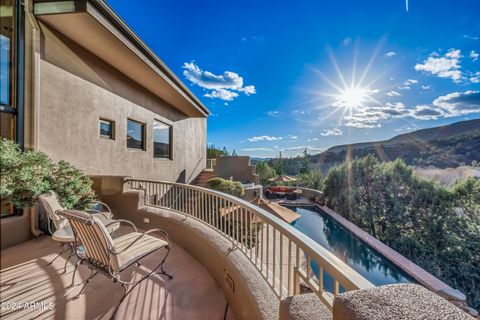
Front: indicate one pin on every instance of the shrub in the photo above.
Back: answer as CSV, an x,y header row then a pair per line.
x,y
233,188
72,187
436,227
26,175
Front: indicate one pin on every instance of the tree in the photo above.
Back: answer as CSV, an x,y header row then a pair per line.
x,y
233,188
313,179
280,166
264,171
436,227
26,175
304,167
225,151
213,152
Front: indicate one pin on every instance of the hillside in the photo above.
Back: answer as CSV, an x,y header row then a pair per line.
x,y
449,146
436,133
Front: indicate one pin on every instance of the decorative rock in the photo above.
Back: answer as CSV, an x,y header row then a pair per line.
x,y
401,301
304,307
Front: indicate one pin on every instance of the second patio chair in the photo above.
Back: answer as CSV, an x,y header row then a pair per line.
x,y
110,257
52,206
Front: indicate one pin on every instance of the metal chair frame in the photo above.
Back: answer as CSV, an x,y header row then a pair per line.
x,y
115,274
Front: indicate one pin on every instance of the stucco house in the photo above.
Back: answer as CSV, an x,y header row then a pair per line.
x,y
79,85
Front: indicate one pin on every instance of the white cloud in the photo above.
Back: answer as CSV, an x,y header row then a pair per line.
x,y
273,113
424,87
404,88
424,112
474,55
222,86
300,112
293,137
313,139
457,103
466,36
409,82
475,78
391,54
222,94
451,105
331,132
393,94
264,138
248,90
446,66
257,149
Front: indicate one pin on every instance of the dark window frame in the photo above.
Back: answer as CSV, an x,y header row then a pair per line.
x,y
112,132
17,104
144,135
170,141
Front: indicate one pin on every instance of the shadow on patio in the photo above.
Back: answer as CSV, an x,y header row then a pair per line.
x,y
27,277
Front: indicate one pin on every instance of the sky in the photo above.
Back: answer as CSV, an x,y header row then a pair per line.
x,y
285,76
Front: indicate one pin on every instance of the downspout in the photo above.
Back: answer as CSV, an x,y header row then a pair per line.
x,y
34,87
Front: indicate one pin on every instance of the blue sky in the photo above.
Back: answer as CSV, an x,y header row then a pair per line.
x,y
271,71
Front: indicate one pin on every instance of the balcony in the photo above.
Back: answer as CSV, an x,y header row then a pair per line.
x,y
27,276
229,259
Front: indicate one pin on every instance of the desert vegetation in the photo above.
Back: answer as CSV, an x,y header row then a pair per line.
x,y
435,226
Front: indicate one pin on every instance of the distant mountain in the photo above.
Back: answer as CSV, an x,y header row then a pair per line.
x,y
436,133
447,146
254,160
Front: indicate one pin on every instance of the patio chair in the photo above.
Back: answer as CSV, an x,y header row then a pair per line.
x,y
110,257
63,233
52,205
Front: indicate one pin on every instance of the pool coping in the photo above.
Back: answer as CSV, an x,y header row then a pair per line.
x,y
410,268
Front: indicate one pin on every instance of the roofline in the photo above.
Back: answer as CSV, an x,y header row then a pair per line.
x,y
110,14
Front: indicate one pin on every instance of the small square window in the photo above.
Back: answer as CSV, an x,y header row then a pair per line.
x,y
135,135
107,129
162,140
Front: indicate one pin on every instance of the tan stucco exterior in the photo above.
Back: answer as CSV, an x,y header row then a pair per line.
x,y
77,89
70,85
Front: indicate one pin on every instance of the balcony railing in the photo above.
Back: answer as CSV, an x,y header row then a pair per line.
x,y
282,254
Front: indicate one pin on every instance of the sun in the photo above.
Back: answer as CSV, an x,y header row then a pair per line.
x,y
352,97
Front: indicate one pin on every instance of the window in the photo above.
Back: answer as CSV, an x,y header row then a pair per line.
x,y
162,134
11,81
107,129
135,135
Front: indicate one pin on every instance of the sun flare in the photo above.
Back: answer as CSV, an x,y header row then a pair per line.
x,y
353,97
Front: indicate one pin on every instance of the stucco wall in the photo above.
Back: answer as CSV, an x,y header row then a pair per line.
x,y
77,88
236,167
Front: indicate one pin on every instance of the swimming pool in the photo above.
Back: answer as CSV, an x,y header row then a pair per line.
x,y
342,243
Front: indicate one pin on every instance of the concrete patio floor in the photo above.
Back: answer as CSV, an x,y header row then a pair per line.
x,y
26,276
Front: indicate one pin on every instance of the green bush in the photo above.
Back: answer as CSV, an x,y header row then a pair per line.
x,y
311,179
72,187
436,227
233,188
265,172
25,175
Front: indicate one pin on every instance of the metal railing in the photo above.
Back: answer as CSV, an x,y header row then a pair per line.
x,y
284,256
211,163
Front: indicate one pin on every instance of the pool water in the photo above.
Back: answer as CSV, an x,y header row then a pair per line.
x,y
347,247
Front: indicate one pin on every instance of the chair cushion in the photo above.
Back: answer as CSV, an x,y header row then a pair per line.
x,y
399,301
145,245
